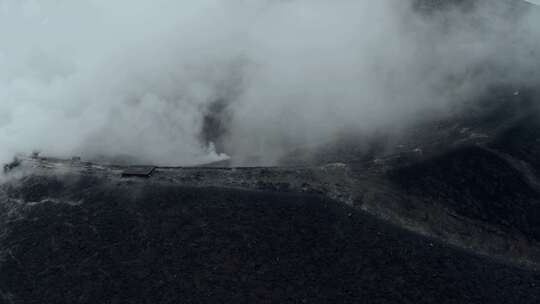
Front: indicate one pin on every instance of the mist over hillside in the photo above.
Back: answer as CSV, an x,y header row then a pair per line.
x,y
269,151
167,82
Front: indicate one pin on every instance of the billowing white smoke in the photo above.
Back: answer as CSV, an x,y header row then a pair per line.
x,y
111,77
136,78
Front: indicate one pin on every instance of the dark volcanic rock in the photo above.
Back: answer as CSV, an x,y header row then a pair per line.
x,y
171,244
479,184
447,212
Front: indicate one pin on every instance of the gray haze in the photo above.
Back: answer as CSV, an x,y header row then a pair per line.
x,y
101,78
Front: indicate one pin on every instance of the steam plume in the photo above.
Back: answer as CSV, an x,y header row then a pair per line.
x,y
140,79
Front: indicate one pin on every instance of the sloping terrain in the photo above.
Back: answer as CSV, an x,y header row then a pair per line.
x,y
447,211
88,239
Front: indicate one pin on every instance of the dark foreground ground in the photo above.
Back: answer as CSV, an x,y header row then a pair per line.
x,y
172,244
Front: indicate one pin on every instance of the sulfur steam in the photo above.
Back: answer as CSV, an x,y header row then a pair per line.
x,y
191,82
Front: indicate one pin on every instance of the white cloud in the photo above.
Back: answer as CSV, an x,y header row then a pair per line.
x,y
99,77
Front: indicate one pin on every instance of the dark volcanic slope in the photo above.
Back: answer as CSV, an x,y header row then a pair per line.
x,y
479,184
169,244
364,221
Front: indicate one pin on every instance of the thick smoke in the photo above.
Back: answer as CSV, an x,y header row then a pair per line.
x,y
139,79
